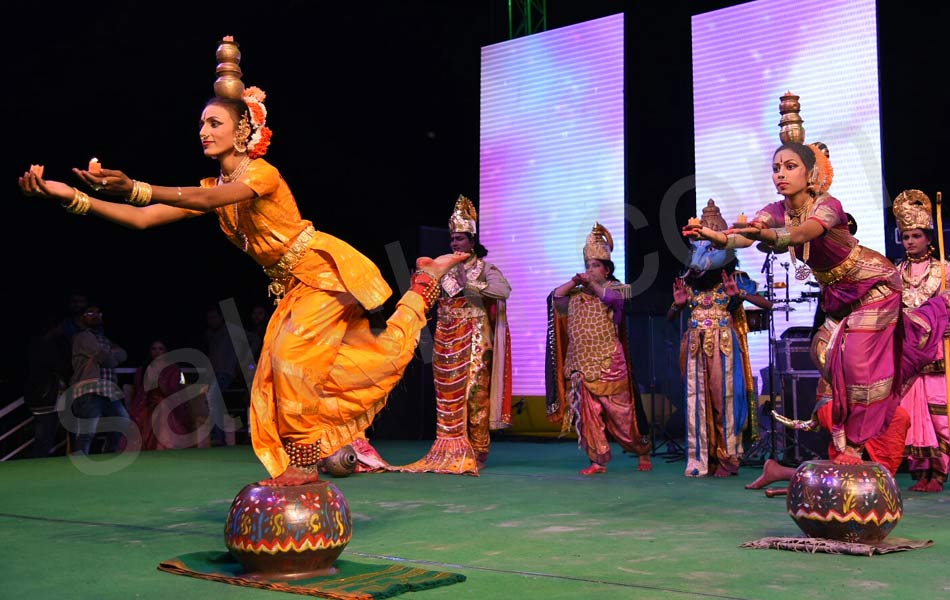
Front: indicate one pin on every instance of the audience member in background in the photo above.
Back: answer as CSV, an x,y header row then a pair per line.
x,y
260,316
590,383
49,371
95,389
76,304
219,347
162,414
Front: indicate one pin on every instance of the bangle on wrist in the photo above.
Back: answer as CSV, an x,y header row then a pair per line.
x,y
783,238
141,193
80,203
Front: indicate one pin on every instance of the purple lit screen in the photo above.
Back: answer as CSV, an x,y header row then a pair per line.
x,y
551,165
746,57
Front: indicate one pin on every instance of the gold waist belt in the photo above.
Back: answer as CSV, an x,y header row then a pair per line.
x,y
467,312
835,274
280,272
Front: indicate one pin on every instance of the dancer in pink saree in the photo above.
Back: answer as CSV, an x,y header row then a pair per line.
x,y
867,348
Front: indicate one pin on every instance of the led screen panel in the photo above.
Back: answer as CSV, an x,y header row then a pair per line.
x,y
551,165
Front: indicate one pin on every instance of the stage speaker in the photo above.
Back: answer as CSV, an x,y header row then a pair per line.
x,y
793,354
798,401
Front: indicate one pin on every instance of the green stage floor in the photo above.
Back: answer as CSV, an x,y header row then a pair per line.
x,y
528,527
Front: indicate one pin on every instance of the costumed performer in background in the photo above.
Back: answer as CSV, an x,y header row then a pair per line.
x,y
589,379
925,397
471,362
721,399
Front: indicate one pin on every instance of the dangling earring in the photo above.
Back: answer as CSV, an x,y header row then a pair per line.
x,y
241,134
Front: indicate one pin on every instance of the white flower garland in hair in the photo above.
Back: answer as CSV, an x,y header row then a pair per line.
x,y
260,138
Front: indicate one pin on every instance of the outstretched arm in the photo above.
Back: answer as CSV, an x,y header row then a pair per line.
x,y
782,237
721,239
133,217
117,183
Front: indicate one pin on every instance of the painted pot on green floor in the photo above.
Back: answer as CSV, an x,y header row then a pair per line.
x,y
289,532
850,503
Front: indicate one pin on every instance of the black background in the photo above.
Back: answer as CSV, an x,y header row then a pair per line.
x,y
375,112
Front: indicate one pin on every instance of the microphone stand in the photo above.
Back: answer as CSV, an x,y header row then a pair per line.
x,y
787,298
765,447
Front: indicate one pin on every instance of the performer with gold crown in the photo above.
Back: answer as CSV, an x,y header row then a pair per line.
x,y
589,379
856,348
471,359
323,374
925,398
714,354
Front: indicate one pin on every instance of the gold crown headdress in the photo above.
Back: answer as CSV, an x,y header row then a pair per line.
x,y
913,210
712,217
791,130
464,219
599,243
253,137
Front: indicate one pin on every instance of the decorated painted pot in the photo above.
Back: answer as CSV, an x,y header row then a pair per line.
x,y
849,503
290,532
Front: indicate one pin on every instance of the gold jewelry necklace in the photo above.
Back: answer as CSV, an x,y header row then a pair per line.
x,y
918,259
793,218
907,276
236,173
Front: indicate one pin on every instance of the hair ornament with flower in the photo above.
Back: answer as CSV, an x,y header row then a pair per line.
x,y
259,141
823,173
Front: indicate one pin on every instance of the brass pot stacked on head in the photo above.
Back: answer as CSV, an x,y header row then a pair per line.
x,y
791,121
228,84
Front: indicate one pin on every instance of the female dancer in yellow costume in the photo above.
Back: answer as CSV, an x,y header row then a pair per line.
x,y
323,374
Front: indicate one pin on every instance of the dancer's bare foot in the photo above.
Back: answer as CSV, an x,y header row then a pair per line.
x,y
646,463
292,476
850,456
772,471
440,265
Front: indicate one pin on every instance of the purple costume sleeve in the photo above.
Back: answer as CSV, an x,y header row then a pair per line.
x,y
614,301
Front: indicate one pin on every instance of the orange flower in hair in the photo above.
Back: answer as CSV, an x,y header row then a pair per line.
x,y
260,138
822,175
